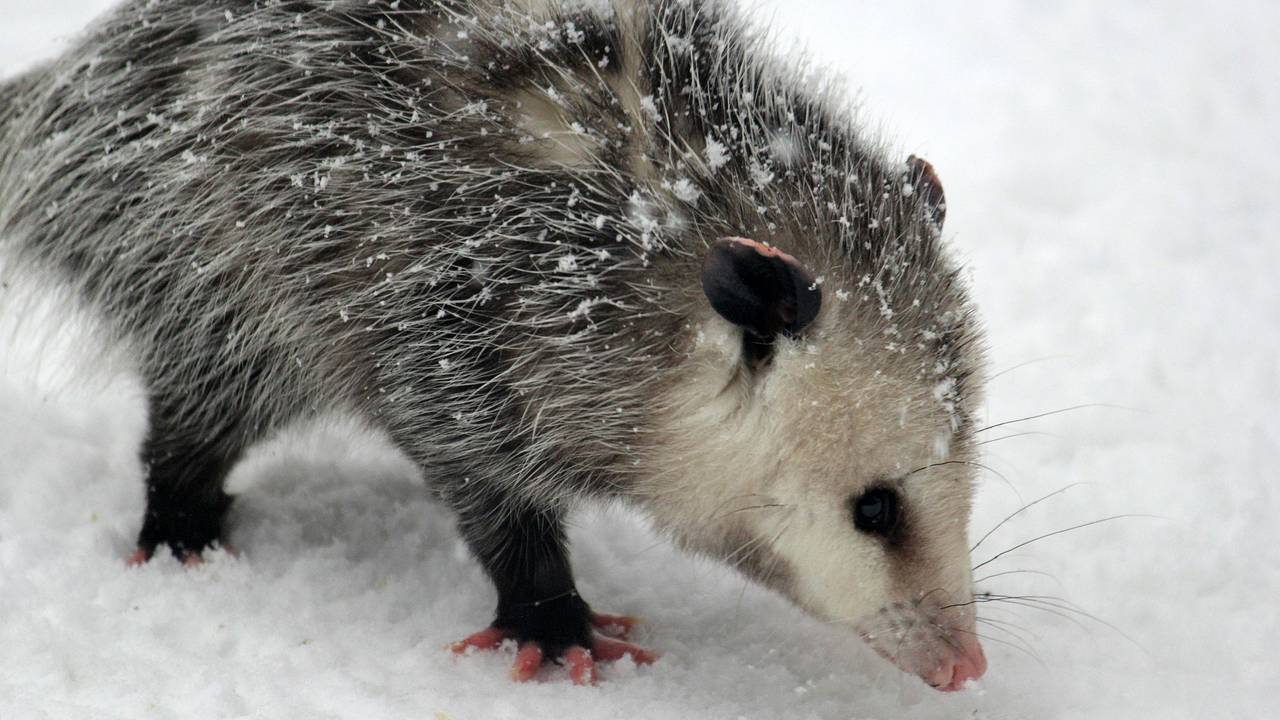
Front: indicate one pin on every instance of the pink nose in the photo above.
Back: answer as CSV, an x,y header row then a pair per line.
x,y
970,664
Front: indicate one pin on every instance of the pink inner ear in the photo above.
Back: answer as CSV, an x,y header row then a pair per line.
x,y
763,249
927,183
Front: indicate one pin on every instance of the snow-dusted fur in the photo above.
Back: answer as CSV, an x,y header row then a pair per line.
x,y
480,225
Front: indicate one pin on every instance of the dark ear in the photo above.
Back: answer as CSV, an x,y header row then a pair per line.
x,y
925,180
763,290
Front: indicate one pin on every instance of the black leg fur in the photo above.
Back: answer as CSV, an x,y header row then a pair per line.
x,y
188,517
525,554
186,505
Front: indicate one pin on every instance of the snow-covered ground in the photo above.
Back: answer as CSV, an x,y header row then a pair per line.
x,y
1112,178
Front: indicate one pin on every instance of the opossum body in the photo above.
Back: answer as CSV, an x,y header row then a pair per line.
x,y
558,251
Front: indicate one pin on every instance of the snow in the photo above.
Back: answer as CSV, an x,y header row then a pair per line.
x,y
761,175
1111,181
717,154
685,190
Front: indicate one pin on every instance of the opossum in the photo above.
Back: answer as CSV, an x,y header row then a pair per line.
x,y
558,251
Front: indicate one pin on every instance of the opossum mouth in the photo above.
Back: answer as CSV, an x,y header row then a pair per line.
x,y
945,659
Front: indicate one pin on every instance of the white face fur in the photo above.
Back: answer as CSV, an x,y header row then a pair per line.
x,y
762,469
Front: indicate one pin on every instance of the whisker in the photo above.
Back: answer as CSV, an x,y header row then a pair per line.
x,y
770,545
730,499
656,544
944,634
1051,412
1058,603
663,541
1035,606
767,571
967,463
920,600
1010,437
749,545
751,507
1023,544
897,651
989,608
1025,363
992,576
1009,627
1021,510
1020,648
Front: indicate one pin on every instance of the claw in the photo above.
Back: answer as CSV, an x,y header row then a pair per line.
x,y
615,626
582,669
486,639
610,649
528,660
189,559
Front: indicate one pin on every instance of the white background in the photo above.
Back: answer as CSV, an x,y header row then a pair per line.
x,y
1112,180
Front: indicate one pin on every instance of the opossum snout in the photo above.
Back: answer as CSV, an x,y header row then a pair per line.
x,y
938,644
969,663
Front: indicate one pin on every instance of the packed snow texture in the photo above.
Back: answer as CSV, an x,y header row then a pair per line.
x,y
1112,185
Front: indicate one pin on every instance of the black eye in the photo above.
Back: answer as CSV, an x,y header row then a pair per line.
x,y
876,511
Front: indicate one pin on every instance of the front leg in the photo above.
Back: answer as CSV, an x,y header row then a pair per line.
x,y
524,551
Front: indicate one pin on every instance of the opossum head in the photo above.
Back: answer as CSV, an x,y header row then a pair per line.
x,y
818,439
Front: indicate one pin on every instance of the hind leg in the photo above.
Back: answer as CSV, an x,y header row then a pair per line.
x,y
186,503
525,552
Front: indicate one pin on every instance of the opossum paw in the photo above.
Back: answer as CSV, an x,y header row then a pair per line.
x,y
189,558
580,661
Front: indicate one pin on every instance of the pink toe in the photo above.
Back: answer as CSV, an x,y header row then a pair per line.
x,y
486,639
528,660
609,649
582,669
